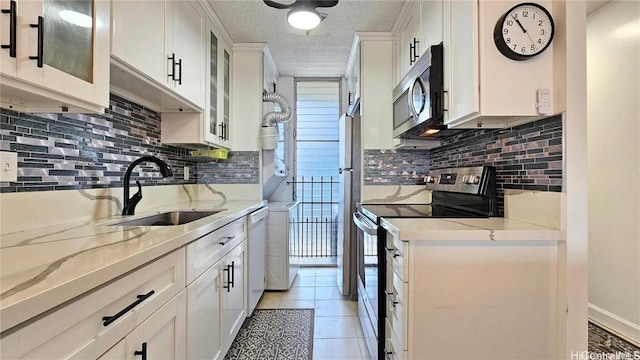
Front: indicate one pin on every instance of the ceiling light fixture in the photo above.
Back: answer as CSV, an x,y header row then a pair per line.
x,y
305,19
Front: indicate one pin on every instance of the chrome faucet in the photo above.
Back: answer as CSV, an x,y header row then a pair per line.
x,y
130,203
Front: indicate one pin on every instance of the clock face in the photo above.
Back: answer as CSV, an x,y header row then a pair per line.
x,y
524,31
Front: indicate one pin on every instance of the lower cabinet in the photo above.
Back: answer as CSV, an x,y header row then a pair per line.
x,y
471,299
161,336
234,294
203,314
216,306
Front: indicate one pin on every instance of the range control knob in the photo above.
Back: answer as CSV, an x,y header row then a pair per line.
x,y
430,179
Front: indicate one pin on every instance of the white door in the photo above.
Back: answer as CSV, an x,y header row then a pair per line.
x,y
344,214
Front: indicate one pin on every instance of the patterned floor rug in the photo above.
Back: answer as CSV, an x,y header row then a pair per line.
x,y
282,334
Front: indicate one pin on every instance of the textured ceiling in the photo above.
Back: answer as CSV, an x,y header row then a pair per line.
x,y
322,53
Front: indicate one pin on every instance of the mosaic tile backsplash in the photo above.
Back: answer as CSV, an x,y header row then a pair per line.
x,y
83,151
526,157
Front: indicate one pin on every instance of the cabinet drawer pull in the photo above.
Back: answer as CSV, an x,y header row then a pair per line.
x,y
106,320
233,274
390,298
40,57
350,95
390,251
229,238
228,286
173,66
13,23
387,354
142,352
179,65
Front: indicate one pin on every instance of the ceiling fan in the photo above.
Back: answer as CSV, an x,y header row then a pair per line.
x,y
303,14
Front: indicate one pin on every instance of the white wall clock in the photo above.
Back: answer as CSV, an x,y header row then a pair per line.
x,y
523,32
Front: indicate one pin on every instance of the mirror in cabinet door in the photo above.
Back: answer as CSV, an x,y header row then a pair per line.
x,y
55,46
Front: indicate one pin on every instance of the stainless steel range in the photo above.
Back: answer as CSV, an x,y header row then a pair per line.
x,y
468,192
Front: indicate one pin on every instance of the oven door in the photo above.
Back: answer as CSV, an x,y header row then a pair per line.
x,y
368,282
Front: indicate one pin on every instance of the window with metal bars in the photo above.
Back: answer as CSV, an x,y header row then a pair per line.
x,y
316,174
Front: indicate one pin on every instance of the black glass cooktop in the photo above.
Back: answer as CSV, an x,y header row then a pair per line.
x,y
374,211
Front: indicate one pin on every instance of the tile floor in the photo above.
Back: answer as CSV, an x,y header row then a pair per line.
x,y
337,331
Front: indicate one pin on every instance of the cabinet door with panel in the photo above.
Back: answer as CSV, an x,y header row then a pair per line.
x,y
431,20
461,68
130,30
58,54
185,50
234,293
203,315
163,335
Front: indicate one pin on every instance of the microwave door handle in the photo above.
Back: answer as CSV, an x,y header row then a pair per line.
x,y
364,225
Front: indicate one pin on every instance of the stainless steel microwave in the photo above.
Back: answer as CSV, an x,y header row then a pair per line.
x,y
417,100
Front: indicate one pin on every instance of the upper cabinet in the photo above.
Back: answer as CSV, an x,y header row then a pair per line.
x,y
158,58
55,55
483,88
373,51
352,74
210,127
407,39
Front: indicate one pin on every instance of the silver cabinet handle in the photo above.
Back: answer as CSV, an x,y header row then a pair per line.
x,y
229,238
389,296
390,251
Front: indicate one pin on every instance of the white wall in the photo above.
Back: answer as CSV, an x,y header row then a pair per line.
x,y
613,123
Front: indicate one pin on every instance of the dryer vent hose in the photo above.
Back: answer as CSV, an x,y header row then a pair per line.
x,y
273,117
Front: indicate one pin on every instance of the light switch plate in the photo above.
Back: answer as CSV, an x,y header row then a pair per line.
x,y
8,166
186,173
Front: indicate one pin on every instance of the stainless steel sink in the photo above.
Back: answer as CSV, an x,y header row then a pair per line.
x,y
169,218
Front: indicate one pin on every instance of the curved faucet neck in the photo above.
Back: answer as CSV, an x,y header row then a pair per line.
x,y
165,170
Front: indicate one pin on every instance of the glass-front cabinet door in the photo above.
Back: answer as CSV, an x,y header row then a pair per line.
x,y
63,45
218,105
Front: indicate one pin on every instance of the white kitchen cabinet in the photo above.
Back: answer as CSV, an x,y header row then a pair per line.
x,y
130,30
375,82
234,294
87,327
161,336
209,127
352,74
431,23
204,340
257,255
217,290
59,64
407,34
158,58
471,299
184,43
483,87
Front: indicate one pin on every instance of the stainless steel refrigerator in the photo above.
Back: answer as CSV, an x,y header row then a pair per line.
x,y
350,184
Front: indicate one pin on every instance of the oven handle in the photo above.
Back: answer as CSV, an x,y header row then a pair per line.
x,y
364,224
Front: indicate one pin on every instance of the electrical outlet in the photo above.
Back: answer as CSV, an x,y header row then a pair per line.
x,y
544,104
186,173
8,166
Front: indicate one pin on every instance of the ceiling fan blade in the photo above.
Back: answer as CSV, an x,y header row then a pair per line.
x,y
325,3
278,5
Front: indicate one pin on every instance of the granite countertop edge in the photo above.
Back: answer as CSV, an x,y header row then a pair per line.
x,y
488,229
27,293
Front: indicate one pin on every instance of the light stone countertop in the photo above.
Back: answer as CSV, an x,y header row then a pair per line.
x,y
45,267
488,229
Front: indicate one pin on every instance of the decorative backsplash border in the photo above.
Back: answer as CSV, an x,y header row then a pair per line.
x,y
85,151
240,167
526,157
395,167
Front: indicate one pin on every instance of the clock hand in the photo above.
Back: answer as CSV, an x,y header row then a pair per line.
x,y
523,30
520,24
